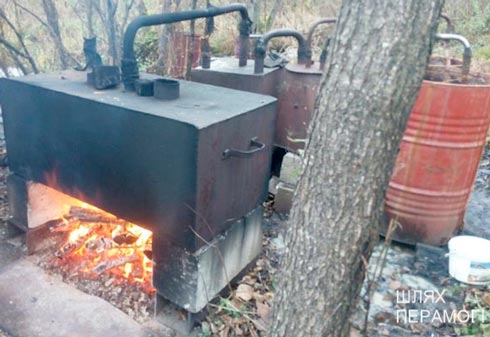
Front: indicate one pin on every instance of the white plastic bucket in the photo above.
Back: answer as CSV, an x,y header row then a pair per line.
x,y
469,259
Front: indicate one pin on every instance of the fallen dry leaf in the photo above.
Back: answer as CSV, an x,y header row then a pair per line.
x,y
394,285
244,292
258,297
263,310
486,298
354,333
225,332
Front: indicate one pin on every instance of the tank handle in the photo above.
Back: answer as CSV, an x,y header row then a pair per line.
x,y
261,47
309,38
467,50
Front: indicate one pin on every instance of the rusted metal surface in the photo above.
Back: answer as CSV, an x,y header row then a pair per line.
x,y
181,44
296,102
296,87
437,162
261,47
224,72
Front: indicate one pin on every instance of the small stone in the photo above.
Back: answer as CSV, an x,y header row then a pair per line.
x,y
291,168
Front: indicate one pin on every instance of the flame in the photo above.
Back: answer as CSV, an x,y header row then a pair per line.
x,y
97,247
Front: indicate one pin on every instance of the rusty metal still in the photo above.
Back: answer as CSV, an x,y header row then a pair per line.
x,y
438,158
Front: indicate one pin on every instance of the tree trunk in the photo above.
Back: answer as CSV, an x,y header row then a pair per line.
x,y
272,15
141,7
90,18
52,18
253,7
111,30
163,57
190,52
378,58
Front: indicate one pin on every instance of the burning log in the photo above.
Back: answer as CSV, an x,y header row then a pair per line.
x,y
76,243
137,271
120,261
90,215
99,244
59,225
148,253
67,249
125,238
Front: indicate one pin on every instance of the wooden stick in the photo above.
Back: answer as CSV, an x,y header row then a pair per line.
x,y
71,246
120,261
89,215
59,225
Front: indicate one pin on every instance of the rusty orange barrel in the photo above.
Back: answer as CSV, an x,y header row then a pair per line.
x,y
437,163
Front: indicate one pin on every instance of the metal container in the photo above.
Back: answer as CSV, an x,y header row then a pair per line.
x,y
296,103
437,162
225,72
192,169
160,164
166,89
298,95
295,85
439,153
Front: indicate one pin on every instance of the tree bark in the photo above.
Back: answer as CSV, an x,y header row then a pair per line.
x,y
111,30
190,52
254,12
53,22
272,15
141,7
378,58
163,57
90,17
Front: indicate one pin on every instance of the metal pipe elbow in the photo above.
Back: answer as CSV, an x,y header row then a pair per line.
x,y
261,47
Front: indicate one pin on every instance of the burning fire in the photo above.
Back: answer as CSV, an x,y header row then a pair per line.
x,y
97,242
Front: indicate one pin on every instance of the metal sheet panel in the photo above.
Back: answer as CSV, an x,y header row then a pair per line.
x,y
132,156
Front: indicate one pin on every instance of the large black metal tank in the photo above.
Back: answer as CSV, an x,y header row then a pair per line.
x,y
160,164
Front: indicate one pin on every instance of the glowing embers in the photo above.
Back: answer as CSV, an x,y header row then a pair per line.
x,y
95,242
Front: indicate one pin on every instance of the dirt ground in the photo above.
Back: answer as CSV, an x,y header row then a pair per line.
x,y
246,309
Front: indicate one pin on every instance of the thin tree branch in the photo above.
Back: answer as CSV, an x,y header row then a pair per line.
x,y
26,53
12,48
14,52
34,15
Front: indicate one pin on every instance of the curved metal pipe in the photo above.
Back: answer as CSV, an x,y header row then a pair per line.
x,y
309,37
261,48
449,23
129,67
467,50
314,26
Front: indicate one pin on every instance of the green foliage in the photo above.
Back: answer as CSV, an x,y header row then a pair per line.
x,y
146,49
230,309
479,23
482,53
205,332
